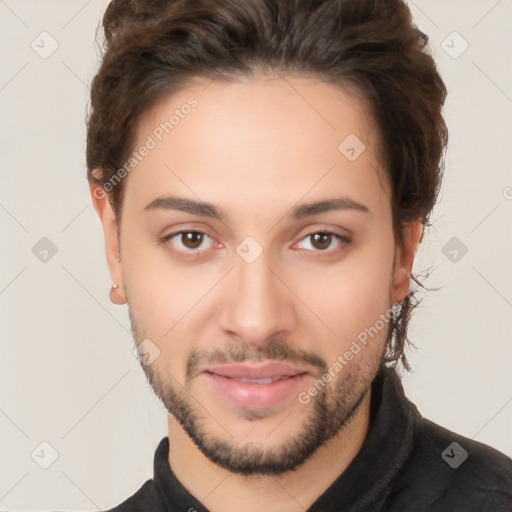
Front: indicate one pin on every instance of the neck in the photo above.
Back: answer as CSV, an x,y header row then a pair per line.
x,y
294,491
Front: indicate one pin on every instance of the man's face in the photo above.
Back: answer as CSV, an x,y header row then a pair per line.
x,y
250,307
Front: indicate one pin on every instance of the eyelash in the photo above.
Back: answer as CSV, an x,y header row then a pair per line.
x,y
194,253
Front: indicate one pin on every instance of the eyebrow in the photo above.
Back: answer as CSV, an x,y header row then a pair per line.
x,y
204,209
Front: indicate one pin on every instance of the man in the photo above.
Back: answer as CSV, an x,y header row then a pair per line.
x,y
263,171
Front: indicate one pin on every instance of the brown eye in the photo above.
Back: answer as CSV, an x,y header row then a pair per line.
x,y
324,242
192,239
321,241
188,243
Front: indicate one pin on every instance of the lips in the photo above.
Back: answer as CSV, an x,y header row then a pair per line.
x,y
256,371
255,386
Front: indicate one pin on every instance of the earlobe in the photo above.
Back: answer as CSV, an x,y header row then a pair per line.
x,y
111,235
404,260
117,295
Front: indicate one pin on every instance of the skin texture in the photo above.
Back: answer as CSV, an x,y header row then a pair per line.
x,y
256,148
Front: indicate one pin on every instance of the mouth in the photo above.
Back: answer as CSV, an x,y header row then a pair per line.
x,y
256,386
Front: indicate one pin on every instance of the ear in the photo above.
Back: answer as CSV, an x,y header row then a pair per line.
x,y
404,260
110,230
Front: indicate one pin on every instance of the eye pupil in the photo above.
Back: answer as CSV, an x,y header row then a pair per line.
x,y
192,239
321,240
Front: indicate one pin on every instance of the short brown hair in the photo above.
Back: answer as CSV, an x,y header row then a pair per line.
x,y
154,47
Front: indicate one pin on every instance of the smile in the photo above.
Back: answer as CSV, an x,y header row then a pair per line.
x,y
255,386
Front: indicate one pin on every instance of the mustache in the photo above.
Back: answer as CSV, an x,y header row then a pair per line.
x,y
275,350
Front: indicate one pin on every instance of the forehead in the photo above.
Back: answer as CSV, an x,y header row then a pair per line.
x,y
259,138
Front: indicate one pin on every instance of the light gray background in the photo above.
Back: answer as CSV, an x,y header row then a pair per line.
x,y
68,374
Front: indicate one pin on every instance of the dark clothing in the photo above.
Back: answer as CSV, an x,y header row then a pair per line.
x,y
406,464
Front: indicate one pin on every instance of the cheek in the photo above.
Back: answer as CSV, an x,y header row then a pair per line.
x,y
351,296
369,280
161,298
159,312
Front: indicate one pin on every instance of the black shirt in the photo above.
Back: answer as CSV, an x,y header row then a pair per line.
x,y
407,464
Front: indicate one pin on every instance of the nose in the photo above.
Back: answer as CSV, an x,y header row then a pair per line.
x,y
257,306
